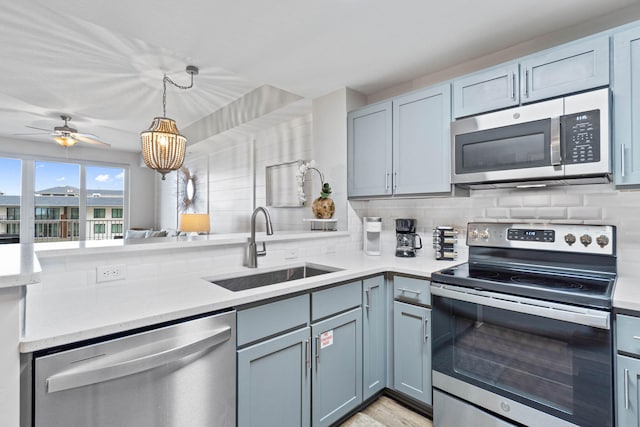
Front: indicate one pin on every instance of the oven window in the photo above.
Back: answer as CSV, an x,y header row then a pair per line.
x,y
558,367
525,145
537,367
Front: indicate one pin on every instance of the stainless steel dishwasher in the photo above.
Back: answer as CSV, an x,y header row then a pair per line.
x,y
183,374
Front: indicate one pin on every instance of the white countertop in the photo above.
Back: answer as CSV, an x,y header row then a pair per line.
x,y
55,317
19,265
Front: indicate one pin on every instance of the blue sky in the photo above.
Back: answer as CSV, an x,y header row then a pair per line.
x,y
54,174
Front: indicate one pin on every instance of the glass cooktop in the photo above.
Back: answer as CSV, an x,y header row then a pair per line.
x,y
573,287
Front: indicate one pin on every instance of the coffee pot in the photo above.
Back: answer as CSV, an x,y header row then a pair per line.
x,y
407,241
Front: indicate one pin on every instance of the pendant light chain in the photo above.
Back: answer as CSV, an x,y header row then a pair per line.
x,y
164,90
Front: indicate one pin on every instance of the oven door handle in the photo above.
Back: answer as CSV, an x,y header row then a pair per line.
x,y
582,316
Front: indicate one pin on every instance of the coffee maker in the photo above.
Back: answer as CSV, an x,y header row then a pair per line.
x,y
407,241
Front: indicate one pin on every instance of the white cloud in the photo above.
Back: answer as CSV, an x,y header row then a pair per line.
x,y
103,178
62,178
120,176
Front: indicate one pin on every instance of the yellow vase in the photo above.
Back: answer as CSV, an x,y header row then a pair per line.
x,y
323,208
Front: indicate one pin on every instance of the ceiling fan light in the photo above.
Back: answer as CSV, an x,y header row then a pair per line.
x,y
163,148
65,140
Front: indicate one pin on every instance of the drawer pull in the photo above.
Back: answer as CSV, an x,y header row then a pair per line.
x,y
636,337
626,389
409,290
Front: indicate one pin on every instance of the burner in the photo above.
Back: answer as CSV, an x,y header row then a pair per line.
x,y
547,282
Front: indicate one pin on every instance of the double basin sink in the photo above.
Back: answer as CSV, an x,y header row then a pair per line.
x,y
261,278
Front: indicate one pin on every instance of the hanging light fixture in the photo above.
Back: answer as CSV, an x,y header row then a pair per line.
x,y
163,147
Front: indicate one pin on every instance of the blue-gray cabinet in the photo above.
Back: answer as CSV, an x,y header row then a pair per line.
x,y
626,104
568,68
374,336
274,382
627,391
401,147
412,351
572,67
336,367
369,151
487,90
421,135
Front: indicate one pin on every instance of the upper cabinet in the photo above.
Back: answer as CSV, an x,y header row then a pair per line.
x,y
626,101
369,150
572,67
401,147
487,90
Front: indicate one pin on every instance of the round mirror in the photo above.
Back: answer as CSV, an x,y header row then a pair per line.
x,y
191,189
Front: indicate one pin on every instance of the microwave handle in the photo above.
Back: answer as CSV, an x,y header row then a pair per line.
x,y
554,146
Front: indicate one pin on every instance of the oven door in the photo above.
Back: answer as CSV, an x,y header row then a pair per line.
x,y
537,363
517,144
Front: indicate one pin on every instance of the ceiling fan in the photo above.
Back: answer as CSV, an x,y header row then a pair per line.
x,y
67,136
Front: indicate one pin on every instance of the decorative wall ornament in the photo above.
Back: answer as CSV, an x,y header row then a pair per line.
x,y
187,190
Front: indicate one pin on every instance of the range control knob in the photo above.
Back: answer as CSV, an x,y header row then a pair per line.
x,y
473,234
570,239
602,240
585,239
484,234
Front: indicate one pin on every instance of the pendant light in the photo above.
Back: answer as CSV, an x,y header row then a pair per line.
x,y
163,147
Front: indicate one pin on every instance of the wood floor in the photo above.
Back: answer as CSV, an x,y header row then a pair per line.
x,y
386,412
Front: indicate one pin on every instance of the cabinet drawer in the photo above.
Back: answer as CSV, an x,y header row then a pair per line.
x,y
411,290
334,300
628,327
269,319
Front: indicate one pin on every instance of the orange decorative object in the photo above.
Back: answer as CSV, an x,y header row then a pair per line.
x,y
323,208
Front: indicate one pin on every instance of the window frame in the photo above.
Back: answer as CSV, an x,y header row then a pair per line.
x,y
103,213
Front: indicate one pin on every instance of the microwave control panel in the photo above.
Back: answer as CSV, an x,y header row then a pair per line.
x,y
581,137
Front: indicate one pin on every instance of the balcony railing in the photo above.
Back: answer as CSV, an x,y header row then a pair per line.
x,y
53,230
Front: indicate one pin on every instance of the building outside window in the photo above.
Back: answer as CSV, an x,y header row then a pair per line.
x,y
47,213
13,214
116,212
99,228
99,213
116,228
74,213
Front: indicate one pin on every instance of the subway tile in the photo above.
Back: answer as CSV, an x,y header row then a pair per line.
x,y
496,213
536,200
567,200
523,213
510,201
551,213
590,213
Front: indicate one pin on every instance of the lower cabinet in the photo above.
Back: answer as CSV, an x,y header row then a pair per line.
x,y
274,384
627,391
412,351
337,367
374,336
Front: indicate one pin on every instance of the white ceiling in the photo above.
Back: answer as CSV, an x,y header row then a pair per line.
x,y
102,61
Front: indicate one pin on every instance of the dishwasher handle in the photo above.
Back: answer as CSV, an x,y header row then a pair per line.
x,y
130,362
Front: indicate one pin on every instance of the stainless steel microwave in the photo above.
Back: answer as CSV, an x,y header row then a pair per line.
x,y
548,143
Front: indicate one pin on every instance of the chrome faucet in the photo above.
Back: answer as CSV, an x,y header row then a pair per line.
x,y
254,253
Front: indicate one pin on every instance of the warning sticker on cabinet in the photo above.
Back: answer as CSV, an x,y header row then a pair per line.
x,y
326,339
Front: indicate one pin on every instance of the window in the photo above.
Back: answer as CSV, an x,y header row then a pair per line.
x,y
116,212
99,212
116,228
47,213
13,214
74,213
98,228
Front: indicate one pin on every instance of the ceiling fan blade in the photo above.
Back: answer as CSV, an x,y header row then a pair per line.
x,y
31,134
33,127
91,139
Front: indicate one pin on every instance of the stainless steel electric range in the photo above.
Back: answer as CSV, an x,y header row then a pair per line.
x,y
522,331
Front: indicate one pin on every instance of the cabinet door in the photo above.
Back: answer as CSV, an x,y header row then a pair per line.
x,y
572,67
374,336
412,351
369,151
626,104
274,382
421,142
337,367
486,90
627,391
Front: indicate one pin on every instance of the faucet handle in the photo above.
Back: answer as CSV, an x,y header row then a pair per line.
x,y
263,252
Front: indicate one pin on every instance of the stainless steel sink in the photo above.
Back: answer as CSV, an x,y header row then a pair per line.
x,y
266,278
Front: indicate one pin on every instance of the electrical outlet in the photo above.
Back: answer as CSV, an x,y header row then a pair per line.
x,y
291,254
108,273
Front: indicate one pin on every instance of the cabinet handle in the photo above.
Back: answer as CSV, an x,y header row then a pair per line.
x,y
626,389
317,352
395,180
368,295
386,181
636,337
307,359
409,290
526,83
513,86
424,330
622,162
